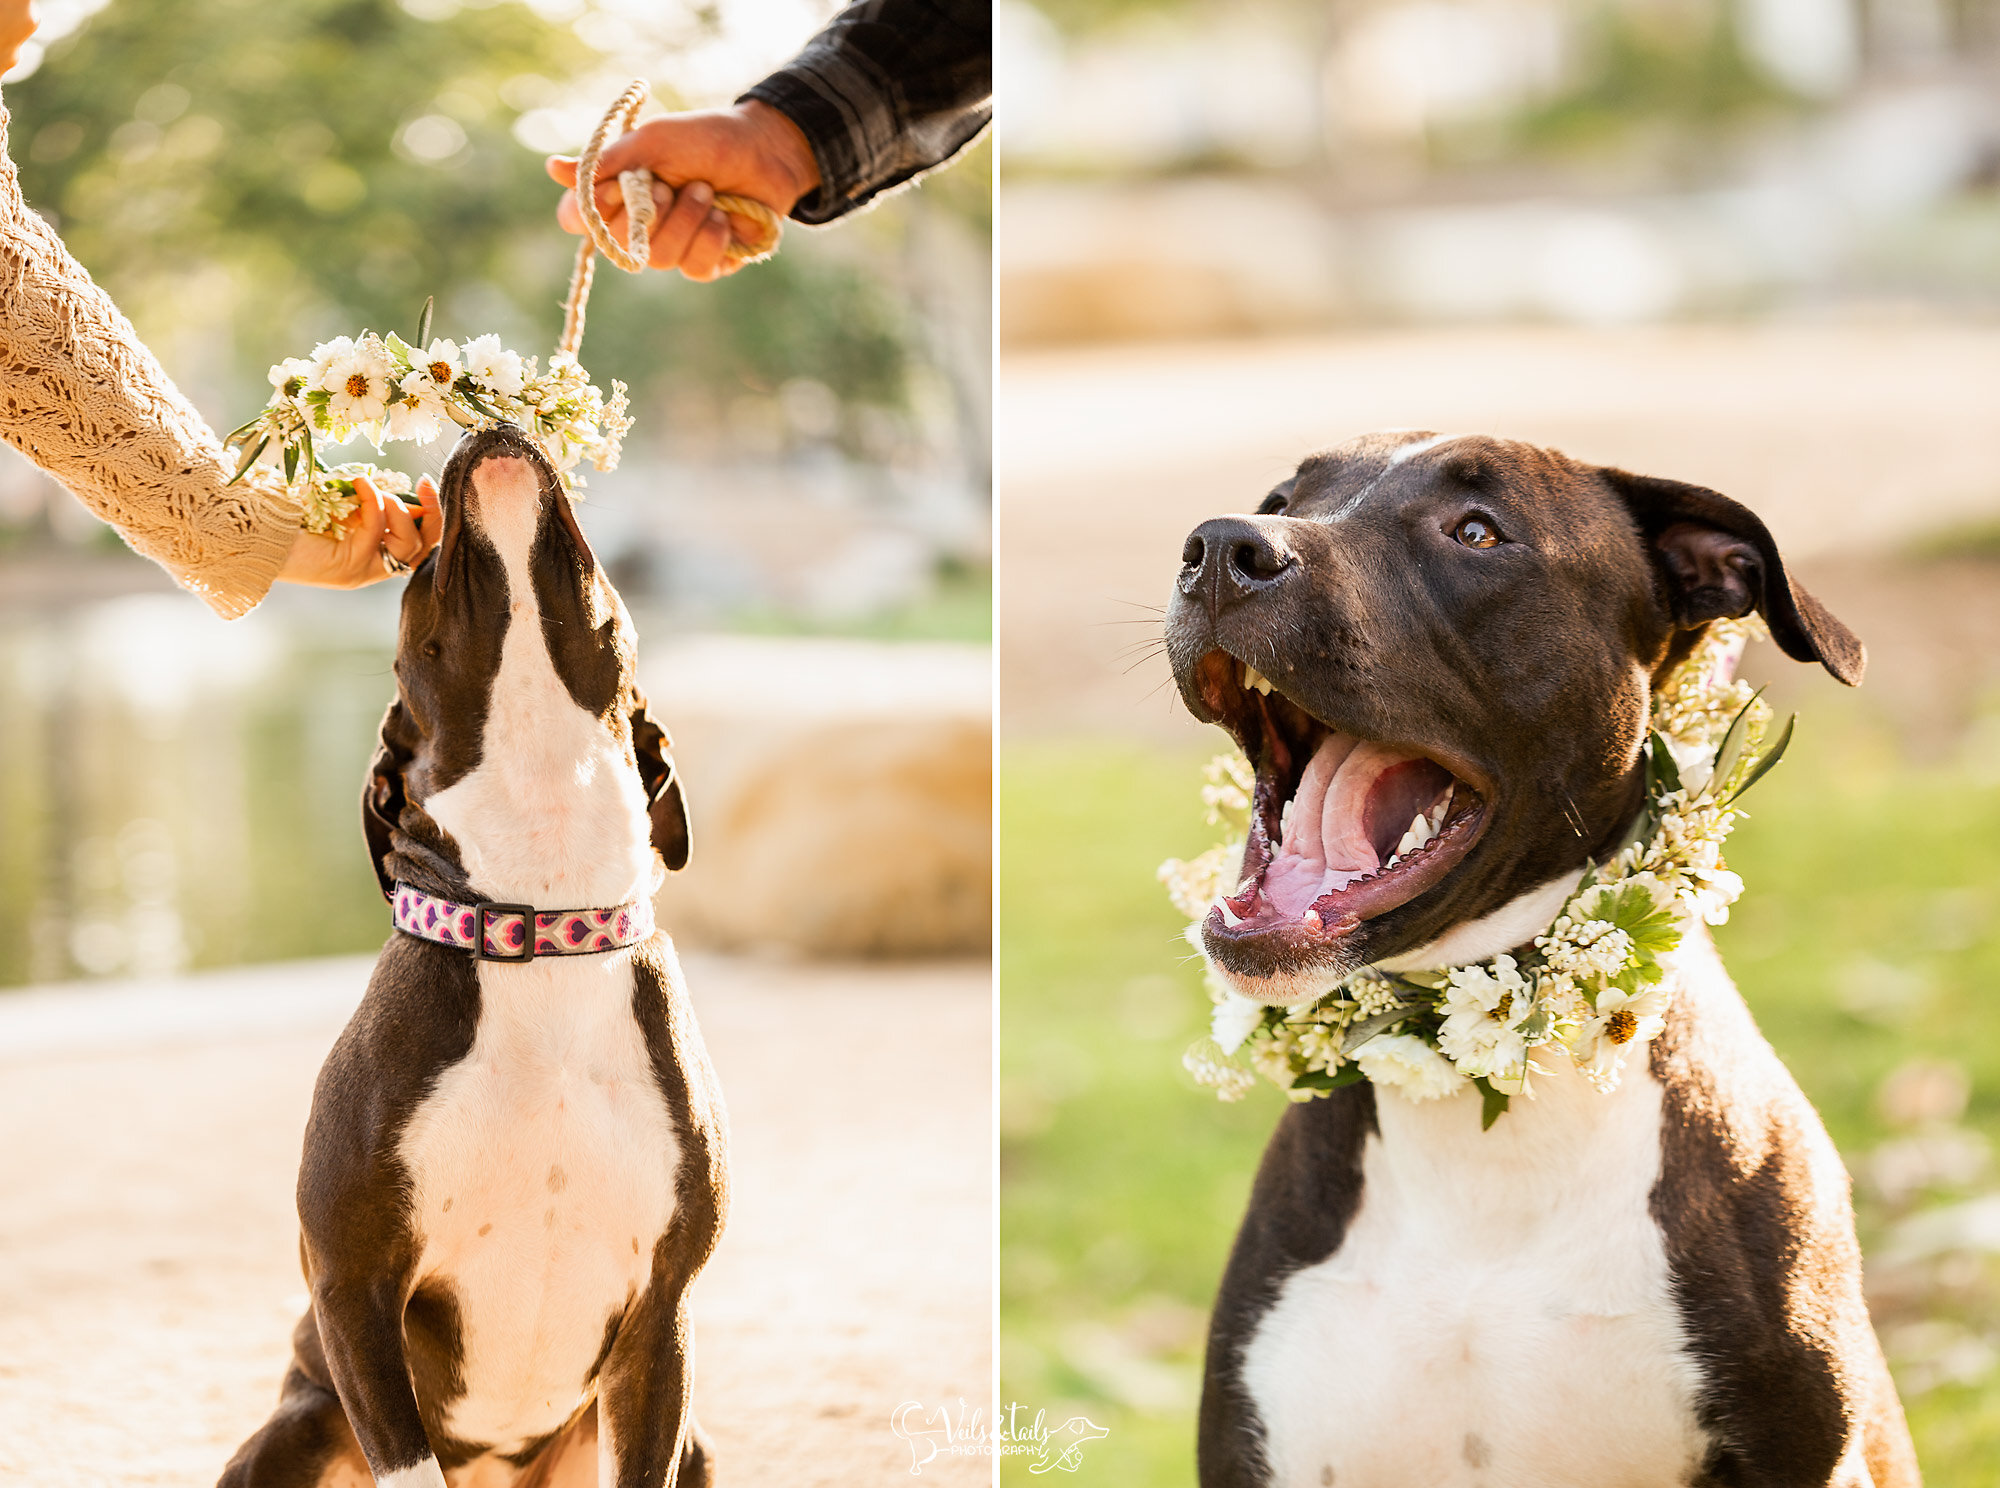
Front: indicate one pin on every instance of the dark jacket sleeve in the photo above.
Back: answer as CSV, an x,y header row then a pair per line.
x,y
888,90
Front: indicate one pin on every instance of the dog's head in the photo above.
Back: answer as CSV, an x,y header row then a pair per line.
x,y
1439,653
507,526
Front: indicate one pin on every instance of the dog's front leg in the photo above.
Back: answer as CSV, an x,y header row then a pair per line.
x,y
646,1435
361,1329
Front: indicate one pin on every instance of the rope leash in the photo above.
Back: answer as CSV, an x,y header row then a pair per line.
x,y
636,186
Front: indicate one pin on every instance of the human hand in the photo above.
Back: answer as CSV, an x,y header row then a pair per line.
x,y
17,24
748,149
380,526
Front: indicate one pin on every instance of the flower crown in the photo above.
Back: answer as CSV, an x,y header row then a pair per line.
x,y
387,389
1591,987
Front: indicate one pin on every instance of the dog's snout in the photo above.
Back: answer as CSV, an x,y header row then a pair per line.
x,y
1230,558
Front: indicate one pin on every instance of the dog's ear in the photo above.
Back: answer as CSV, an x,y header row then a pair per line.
x,y
1719,560
664,803
382,796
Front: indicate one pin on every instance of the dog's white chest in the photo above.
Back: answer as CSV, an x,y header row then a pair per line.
x,y
542,1167
1498,1313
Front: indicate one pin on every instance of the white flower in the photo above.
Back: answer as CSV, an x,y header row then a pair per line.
x,y
1404,1062
1474,989
1624,1021
357,381
326,354
419,413
493,365
438,363
292,376
1234,1020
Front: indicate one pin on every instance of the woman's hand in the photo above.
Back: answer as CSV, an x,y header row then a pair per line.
x,y
17,24
353,556
748,149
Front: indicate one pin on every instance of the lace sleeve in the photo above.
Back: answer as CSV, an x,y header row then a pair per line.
x,y
82,397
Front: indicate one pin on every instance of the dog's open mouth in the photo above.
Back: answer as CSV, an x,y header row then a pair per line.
x,y
1342,829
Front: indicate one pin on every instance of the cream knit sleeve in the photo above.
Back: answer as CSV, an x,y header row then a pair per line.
x,y
82,397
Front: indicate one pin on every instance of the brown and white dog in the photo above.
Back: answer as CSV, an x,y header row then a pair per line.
x,y
514,1167
1659,1286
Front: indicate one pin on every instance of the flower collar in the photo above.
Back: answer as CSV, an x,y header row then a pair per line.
x,y
387,389
1591,988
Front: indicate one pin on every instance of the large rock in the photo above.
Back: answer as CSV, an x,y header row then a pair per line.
x,y
840,791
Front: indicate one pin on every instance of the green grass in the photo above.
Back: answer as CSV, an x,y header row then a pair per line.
x,y
957,607
1122,1182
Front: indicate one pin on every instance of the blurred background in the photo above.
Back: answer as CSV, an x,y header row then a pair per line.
x,y
801,529
812,456
1753,244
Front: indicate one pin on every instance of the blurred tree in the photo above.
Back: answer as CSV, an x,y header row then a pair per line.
x,y
338,159
250,177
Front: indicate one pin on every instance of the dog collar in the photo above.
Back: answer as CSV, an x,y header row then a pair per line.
x,y
499,932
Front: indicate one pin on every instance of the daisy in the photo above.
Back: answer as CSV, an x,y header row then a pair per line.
x,y
357,384
292,376
419,413
1624,1021
439,363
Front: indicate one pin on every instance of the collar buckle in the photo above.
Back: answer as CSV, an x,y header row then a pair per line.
x,y
480,915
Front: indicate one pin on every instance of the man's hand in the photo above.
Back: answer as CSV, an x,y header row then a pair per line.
x,y
748,149
17,24
352,556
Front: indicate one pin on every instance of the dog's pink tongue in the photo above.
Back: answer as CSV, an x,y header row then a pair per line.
x,y
1346,825
1299,872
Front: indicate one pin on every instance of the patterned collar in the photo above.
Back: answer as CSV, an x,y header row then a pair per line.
x,y
498,932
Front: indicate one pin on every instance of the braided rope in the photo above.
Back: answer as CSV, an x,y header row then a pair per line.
x,y
636,186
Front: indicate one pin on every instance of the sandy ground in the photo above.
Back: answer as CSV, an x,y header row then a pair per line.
x,y
1845,439
149,1137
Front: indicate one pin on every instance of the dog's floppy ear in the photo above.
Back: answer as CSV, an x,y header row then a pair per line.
x,y
664,803
1719,560
382,796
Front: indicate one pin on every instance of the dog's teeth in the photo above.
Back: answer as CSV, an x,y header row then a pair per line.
x,y
1310,919
1410,843
1229,917
1394,859
1285,820
1252,678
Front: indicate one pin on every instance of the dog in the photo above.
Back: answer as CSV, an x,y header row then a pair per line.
x,y
1656,1286
514,1166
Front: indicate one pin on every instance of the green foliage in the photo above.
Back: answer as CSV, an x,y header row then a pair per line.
x,y
1678,70
272,142
1122,1183
283,173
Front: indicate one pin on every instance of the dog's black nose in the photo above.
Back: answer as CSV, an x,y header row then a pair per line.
x,y
1230,558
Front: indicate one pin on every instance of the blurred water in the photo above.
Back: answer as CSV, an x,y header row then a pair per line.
x,y
176,792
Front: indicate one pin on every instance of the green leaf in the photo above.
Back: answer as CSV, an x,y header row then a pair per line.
x,y
1731,749
1664,773
1495,1101
1769,758
1359,1033
249,458
1348,1074
1630,907
424,322
291,462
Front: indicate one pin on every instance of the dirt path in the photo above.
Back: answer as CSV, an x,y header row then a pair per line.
x,y
1846,440
148,1262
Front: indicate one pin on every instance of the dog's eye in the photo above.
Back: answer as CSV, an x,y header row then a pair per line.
x,y
1476,531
